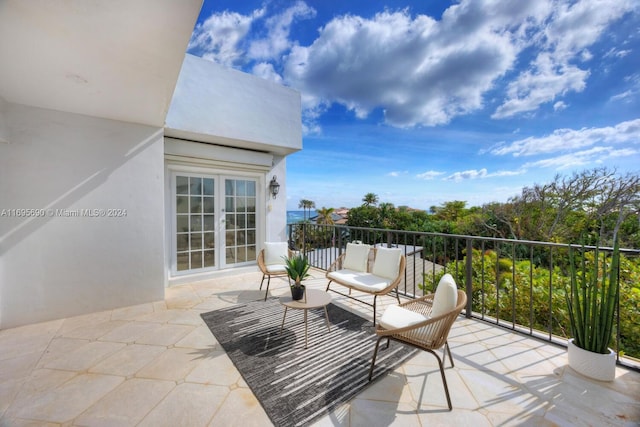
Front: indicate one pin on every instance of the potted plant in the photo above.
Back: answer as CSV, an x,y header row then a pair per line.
x,y
297,268
592,299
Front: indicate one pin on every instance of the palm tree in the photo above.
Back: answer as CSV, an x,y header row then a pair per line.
x,y
386,212
324,216
306,204
370,199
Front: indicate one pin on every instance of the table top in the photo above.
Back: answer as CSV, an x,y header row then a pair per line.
x,y
315,299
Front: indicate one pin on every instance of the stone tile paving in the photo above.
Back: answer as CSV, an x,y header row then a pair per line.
x,y
157,364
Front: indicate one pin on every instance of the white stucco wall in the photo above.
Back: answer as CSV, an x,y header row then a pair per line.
x,y
56,266
215,104
277,208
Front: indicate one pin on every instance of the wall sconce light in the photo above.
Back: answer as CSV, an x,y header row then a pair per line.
x,y
274,187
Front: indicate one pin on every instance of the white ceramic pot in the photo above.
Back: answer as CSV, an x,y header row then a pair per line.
x,y
598,366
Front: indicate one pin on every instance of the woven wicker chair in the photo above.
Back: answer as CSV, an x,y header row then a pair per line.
x,y
428,335
273,270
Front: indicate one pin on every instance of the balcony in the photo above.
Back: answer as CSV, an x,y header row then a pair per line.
x,y
158,364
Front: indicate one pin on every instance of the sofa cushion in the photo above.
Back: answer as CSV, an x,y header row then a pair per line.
x,y
274,252
387,262
396,317
356,257
446,296
358,280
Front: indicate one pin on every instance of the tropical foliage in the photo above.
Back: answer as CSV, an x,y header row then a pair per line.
x,y
370,199
325,216
590,206
306,206
533,294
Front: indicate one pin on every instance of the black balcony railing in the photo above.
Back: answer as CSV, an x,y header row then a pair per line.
x,y
513,284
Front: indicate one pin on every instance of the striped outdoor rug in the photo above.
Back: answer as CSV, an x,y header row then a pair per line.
x,y
294,385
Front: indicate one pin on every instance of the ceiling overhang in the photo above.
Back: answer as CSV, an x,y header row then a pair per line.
x,y
114,59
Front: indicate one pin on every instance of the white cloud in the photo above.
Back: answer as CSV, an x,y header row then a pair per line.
x,y
419,71
617,53
562,140
624,96
468,174
265,70
595,155
219,37
586,56
230,39
631,94
559,106
570,29
278,29
542,83
429,175
396,174
481,174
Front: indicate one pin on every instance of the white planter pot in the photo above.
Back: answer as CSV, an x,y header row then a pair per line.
x,y
598,366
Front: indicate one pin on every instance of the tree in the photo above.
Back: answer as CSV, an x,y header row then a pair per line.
x,y
306,205
385,215
451,211
324,216
362,216
370,199
592,204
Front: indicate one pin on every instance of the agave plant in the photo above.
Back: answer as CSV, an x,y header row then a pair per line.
x,y
297,268
592,300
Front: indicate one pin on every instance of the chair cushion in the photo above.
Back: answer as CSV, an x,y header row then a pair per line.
x,y
366,282
446,296
356,257
387,262
396,317
276,268
274,252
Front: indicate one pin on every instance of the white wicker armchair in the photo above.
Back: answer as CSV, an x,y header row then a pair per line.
x,y
416,325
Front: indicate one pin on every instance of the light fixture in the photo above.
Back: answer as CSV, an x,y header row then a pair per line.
x,y
274,187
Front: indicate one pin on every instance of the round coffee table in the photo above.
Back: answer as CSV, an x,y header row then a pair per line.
x,y
313,298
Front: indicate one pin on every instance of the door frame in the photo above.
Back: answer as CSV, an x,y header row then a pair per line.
x,y
219,173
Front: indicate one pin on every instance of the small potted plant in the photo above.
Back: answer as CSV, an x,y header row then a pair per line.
x,y
592,299
297,268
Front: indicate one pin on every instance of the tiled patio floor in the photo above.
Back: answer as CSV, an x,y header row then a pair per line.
x,y
157,364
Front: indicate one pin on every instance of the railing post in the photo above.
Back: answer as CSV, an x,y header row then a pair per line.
x,y
304,238
468,277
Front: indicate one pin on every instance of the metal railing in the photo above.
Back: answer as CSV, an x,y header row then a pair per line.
x,y
514,284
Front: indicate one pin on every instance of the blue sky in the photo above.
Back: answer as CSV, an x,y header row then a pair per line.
x,y
423,102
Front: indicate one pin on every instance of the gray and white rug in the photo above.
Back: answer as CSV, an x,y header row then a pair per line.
x,y
294,385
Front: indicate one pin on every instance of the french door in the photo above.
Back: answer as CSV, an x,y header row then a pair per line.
x,y
214,222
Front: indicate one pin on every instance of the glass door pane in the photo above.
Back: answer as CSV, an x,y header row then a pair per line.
x,y
240,220
195,246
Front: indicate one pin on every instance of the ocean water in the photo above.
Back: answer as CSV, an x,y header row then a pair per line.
x,y
297,216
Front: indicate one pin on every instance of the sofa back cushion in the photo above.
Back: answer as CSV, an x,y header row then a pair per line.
x,y
356,257
274,252
446,296
387,262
